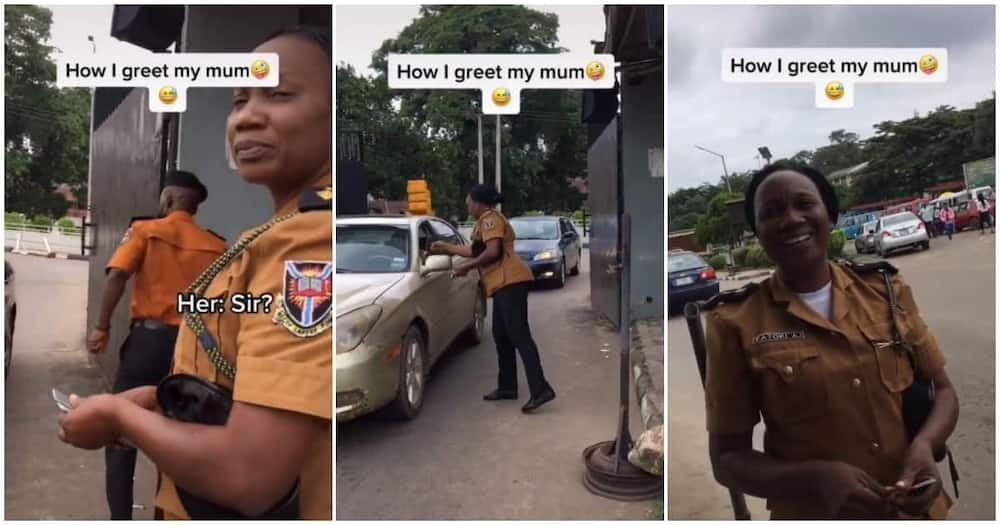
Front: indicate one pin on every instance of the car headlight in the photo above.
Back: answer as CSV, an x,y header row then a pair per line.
x,y
547,254
353,326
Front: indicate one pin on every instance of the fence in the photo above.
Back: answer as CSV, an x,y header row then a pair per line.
x,y
42,240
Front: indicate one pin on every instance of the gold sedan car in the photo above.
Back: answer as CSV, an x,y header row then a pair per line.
x,y
398,310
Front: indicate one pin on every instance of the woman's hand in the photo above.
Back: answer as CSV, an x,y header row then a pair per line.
x,y
462,270
92,423
850,493
440,248
918,465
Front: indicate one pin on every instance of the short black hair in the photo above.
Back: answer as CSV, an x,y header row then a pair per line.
x,y
826,191
485,194
315,34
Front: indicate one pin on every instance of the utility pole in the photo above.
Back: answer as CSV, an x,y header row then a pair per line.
x,y
479,122
725,172
498,158
90,155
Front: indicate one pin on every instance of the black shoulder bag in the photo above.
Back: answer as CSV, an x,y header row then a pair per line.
x,y
918,399
191,399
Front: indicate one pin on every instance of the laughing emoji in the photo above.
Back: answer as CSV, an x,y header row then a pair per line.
x,y
834,90
168,94
260,69
501,96
595,70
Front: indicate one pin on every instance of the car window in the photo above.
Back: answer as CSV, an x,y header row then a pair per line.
x,y
373,248
899,218
444,232
535,229
684,261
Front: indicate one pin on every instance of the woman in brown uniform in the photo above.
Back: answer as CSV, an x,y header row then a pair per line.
x,y
812,351
507,279
243,426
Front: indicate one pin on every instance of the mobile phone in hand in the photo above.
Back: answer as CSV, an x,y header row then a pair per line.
x,y
62,400
922,484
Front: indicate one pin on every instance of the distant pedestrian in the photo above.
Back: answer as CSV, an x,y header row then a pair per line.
x,y
984,214
948,219
927,215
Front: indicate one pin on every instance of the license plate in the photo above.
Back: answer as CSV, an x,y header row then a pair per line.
x,y
683,281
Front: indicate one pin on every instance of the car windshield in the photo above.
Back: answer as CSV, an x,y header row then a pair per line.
x,y
373,249
685,261
535,229
893,220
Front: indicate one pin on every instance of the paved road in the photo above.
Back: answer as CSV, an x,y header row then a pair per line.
x,y
954,284
464,458
44,478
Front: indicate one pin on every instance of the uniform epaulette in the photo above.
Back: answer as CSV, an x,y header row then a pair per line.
x,y
863,267
223,239
730,297
141,218
316,199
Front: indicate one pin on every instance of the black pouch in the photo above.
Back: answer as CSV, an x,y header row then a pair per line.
x,y
918,399
191,399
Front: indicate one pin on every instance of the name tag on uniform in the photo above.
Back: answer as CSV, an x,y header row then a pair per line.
x,y
771,337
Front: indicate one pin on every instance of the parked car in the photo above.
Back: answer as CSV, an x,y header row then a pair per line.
x,y
550,245
10,314
689,279
398,310
865,241
900,231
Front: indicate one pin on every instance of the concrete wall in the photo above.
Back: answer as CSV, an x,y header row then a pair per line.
x,y
233,206
642,131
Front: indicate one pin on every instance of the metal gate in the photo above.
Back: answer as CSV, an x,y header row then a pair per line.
x,y
605,206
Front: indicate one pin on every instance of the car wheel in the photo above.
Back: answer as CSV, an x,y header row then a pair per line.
x,y
973,224
475,332
562,274
927,245
579,257
412,376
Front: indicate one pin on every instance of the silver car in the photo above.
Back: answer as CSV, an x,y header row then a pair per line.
x,y
398,310
900,231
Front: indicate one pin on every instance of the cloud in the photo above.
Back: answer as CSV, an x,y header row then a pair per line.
x,y
735,119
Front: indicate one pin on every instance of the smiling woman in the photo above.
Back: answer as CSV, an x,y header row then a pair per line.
x,y
826,352
243,426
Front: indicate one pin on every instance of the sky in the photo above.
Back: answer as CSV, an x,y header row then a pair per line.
x,y
71,24
362,29
736,119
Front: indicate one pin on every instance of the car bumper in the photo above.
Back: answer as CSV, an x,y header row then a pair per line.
x,y
367,379
913,239
697,292
546,269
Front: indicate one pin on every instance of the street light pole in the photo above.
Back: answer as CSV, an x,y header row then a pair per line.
x,y
90,155
725,172
499,206
479,122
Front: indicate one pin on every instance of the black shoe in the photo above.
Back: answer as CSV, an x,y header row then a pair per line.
x,y
539,400
498,394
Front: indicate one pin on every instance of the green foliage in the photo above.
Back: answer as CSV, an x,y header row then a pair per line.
x,y
740,256
718,262
714,226
433,133
46,129
836,243
42,220
66,225
12,217
757,257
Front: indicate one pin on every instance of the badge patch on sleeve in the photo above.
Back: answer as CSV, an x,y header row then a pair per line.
x,y
489,224
306,304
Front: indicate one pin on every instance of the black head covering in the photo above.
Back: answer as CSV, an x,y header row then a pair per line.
x,y
186,179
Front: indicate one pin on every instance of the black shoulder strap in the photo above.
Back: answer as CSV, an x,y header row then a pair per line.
x,y
863,267
140,218
316,199
223,239
730,297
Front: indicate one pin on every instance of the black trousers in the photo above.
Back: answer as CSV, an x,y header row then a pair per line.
x,y
144,359
510,332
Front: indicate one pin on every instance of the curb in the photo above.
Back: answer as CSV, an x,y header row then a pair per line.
x,y
53,255
647,453
746,276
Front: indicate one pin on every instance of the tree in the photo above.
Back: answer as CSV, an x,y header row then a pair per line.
x,y
715,226
46,129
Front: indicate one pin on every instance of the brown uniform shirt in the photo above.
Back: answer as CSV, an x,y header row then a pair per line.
x,y
509,269
826,389
283,358
165,255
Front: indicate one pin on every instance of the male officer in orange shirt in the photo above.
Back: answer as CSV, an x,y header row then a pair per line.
x,y
166,255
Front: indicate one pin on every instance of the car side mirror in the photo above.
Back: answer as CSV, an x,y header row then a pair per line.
x,y
436,264
568,235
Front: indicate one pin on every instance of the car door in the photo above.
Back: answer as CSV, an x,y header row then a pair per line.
x,y
432,295
573,244
462,290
